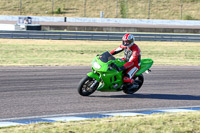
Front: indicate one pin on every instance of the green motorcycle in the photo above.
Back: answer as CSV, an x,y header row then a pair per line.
x,y
106,77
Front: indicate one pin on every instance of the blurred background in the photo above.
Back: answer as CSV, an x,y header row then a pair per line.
x,y
133,9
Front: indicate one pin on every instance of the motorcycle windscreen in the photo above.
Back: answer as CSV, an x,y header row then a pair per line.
x,y
106,56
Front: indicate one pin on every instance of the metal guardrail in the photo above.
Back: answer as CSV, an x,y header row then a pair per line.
x,y
97,36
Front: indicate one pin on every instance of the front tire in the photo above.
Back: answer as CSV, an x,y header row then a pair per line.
x,y
138,81
84,88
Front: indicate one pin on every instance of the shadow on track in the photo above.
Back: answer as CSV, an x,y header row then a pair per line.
x,y
154,96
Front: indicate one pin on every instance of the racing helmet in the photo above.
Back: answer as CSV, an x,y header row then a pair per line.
x,y
128,40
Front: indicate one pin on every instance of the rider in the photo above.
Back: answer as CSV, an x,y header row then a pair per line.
x,y
132,56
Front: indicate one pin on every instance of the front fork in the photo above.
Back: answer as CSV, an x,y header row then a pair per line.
x,y
96,78
93,84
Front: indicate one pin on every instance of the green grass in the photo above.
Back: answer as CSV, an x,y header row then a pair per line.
x,y
137,9
187,122
61,52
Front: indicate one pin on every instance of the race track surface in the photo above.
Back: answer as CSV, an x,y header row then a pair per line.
x,y
38,91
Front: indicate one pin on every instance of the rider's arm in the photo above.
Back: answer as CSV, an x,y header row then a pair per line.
x,y
117,50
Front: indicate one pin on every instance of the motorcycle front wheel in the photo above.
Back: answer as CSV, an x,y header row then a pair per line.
x,y
87,86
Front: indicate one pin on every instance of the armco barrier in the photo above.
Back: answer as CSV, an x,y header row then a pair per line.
x,y
97,36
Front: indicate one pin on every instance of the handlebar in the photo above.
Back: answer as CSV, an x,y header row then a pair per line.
x,y
113,65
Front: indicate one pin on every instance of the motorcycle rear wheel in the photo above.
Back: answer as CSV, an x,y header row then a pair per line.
x,y
84,87
138,80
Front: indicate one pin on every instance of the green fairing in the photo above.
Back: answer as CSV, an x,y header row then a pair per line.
x,y
94,75
111,79
145,65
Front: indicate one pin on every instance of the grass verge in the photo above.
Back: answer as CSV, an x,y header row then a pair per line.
x,y
159,9
16,52
187,122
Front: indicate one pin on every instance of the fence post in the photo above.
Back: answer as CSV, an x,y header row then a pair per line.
x,y
20,6
84,8
116,8
181,8
149,9
52,6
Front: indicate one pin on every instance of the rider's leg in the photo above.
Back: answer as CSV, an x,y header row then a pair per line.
x,y
130,74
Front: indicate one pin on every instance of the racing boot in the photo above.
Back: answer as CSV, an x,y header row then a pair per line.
x,y
128,80
130,83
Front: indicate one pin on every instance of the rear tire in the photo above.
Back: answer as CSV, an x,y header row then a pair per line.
x,y
84,86
138,80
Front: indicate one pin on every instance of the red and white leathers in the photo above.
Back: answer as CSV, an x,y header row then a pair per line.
x,y
132,56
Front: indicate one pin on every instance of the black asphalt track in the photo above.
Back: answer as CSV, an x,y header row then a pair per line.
x,y
38,91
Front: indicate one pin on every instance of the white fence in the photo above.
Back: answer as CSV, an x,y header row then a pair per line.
x,y
105,20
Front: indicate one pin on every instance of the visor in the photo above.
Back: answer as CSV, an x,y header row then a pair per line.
x,y
126,43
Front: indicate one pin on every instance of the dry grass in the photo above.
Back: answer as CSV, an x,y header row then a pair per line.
x,y
138,9
187,122
21,52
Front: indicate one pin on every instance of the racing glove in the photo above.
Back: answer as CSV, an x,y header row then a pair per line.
x,y
121,68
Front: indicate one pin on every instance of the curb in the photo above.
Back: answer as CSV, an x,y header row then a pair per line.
x,y
6,123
